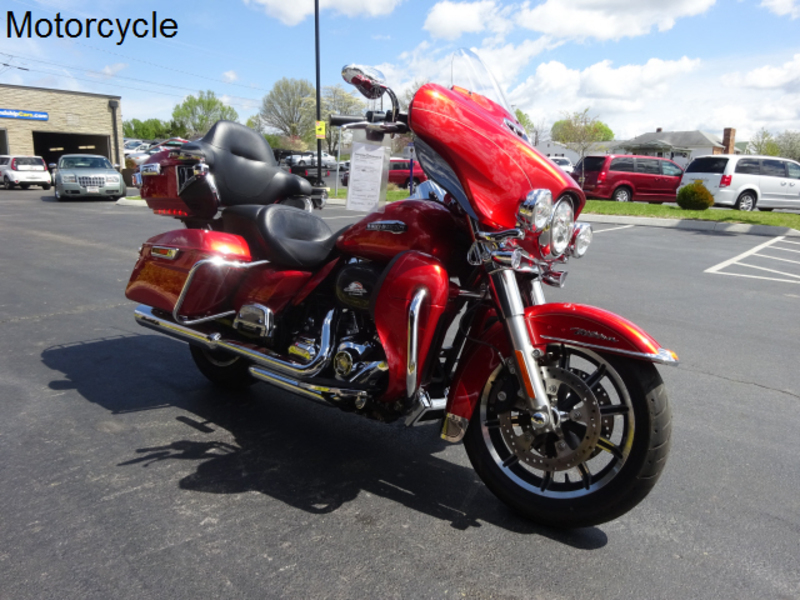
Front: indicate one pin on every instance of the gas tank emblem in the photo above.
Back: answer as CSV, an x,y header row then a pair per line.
x,y
355,289
390,226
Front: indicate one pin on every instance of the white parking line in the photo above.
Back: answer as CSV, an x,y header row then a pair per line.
x,y
613,228
755,252
735,259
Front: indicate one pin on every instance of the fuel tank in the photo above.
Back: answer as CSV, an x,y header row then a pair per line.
x,y
421,225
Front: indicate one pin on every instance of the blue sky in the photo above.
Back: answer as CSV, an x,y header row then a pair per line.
x,y
675,64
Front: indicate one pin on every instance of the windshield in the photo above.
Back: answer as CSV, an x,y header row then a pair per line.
x,y
468,71
85,162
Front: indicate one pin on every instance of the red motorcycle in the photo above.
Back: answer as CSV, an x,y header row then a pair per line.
x,y
560,407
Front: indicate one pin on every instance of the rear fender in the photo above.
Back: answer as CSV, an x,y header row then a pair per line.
x,y
571,324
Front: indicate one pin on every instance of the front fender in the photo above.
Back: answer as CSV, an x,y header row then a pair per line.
x,y
572,324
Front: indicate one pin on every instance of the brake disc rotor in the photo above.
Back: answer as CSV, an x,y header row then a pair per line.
x,y
577,431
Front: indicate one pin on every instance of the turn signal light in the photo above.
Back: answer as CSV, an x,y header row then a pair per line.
x,y
601,177
725,181
171,212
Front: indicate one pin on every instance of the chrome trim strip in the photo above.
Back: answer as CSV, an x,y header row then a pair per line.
x,y
213,341
662,357
412,342
395,227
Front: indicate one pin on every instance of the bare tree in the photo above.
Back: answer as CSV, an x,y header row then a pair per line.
x,y
283,107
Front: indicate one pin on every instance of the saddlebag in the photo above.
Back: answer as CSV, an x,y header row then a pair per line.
x,y
170,187
166,260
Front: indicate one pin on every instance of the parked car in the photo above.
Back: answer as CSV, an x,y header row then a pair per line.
x,y
398,173
142,157
24,171
564,163
627,178
747,182
299,159
87,175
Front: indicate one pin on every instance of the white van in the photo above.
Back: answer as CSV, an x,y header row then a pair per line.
x,y
747,182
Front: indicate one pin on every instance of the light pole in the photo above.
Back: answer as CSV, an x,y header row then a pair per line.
x,y
319,141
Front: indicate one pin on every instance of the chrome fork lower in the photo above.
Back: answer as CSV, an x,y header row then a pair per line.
x,y
523,362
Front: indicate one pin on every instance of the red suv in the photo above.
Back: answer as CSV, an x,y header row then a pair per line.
x,y
398,173
626,178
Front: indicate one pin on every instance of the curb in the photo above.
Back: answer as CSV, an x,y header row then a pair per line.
x,y
692,225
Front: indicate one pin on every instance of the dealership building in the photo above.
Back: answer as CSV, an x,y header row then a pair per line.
x,y
49,123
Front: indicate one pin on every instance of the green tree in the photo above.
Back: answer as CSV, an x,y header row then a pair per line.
x,y
283,107
337,101
536,131
198,114
763,143
578,131
151,129
788,144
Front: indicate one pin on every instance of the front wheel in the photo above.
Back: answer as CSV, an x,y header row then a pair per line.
x,y
610,444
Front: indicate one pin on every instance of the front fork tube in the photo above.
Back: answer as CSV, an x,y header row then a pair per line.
x,y
525,366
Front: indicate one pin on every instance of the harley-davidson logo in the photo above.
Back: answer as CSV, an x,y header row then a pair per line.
x,y
593,334
355,289
390,226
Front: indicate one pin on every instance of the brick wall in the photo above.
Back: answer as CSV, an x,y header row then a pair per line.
x,y
69,112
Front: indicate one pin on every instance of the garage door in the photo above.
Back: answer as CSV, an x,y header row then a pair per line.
x,y
50,146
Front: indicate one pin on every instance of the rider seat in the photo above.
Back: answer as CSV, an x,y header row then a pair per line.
x,y
244,167
286,236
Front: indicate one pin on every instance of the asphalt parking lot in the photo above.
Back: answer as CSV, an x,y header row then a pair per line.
x,y
125,475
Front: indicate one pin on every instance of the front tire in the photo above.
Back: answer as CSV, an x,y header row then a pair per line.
x,y
614,427
222,369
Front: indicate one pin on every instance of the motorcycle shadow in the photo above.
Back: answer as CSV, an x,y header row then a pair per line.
x,y
309,456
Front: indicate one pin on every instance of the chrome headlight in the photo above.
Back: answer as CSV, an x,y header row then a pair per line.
x,y
580,239
535,211
562,226
68,178
112,179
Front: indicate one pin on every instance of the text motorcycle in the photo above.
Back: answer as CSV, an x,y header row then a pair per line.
x,y
560,407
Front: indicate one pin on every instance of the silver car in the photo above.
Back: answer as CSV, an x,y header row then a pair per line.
x,y
87,176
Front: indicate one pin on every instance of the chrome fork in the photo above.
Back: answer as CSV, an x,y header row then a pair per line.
x,y
523,363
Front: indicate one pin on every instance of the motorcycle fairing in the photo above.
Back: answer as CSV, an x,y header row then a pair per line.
x,y
556,323
479,141
400,282
165,261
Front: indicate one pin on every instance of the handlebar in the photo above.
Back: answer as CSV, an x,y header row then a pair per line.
x,y
339,120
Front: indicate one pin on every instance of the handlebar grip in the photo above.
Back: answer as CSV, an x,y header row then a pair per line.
x,y
339,120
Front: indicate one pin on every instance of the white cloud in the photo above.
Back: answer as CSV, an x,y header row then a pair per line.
x,y
783,7
601,80
110,70
609,20
230,76
449,20
768,77
292,13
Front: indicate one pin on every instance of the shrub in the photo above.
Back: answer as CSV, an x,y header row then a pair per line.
x,y
130,163
695,196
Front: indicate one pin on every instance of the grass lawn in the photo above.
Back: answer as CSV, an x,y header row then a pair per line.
x,y
673,211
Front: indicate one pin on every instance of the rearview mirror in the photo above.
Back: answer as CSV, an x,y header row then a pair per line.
x,y
367,80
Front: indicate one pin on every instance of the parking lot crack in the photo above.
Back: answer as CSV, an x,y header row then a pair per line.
x,y
753,383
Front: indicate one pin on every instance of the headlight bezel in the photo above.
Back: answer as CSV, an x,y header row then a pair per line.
x,y
562,226
536,210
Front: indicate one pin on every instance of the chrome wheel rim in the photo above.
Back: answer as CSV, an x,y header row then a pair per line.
x,y
622,195
594,433
746,202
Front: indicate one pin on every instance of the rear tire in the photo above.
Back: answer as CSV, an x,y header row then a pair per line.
x,y
46,187
612,445
746,202
622,194
24,186
222,369
8,184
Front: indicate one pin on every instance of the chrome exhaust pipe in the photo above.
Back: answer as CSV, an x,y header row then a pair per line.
x,y
260,356
306,388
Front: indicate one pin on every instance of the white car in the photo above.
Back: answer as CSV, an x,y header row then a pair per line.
x,y
747,182
24,171
564,163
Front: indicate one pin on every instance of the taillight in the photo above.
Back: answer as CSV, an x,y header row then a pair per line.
x,y
171,212
13,164
601,177
725,181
